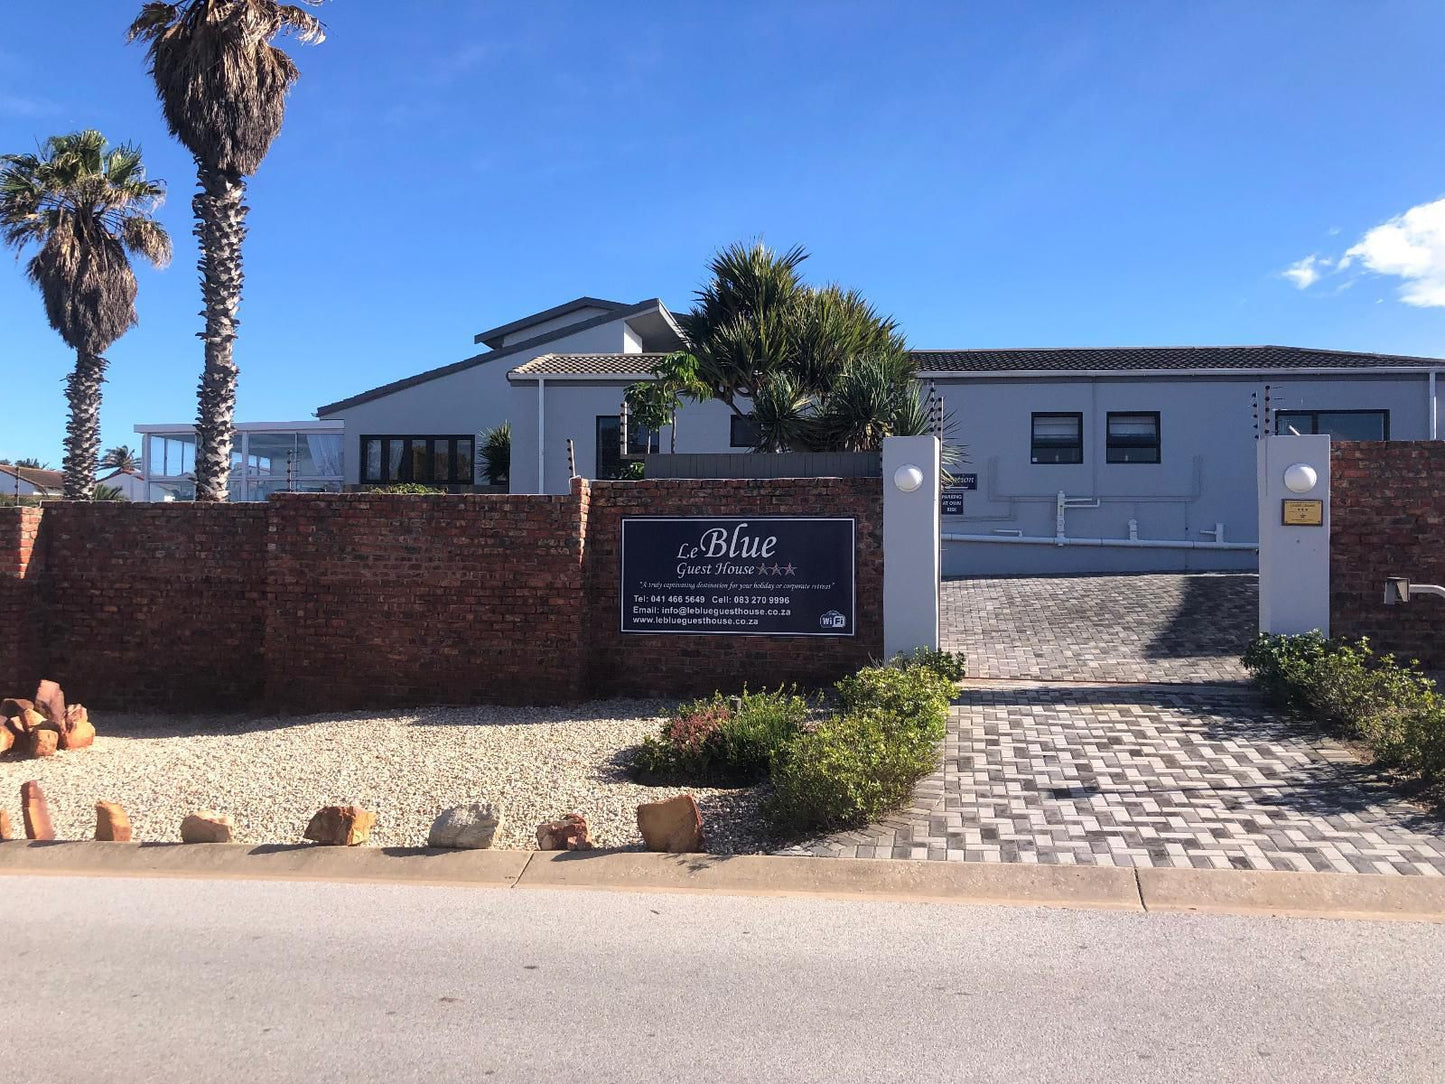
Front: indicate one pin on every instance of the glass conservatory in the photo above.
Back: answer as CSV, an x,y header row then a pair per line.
x,y
268,457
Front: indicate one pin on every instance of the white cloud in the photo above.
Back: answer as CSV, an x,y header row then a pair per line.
x,y
1305,273
1410,247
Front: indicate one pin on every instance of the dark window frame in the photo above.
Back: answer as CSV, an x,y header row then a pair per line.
x,y
638,437
1078,416
733,421
1110,444
1314,416
461,471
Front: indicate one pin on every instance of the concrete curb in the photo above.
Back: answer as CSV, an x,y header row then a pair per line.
x,y
1317,895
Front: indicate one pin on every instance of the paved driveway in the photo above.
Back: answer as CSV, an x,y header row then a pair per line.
x,y
1186,628
1107,721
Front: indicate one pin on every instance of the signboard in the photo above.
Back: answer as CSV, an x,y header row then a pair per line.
x,y
951,500
967,481
1303,514
739,576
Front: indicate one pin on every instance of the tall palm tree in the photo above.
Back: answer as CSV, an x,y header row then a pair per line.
x,y
88,208
222,86
121,457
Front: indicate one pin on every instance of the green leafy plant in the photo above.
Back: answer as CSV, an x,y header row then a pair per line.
x,y
950,665
723,739
910,696
496,452
404,487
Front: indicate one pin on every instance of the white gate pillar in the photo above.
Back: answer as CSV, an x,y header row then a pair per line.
x,y
1294,534
911,542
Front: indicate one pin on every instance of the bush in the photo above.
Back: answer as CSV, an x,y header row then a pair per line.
x,y
1349,690
713,741
404,487
850,770
914,694
951,665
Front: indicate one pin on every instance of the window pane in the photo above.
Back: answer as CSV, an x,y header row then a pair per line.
x,y
1057,438
466,461
418,456
441,461
1056,430
744,431
1293,422
371,460
609,434
394,451
1352,426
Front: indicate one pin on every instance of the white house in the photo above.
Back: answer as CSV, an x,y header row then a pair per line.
x,y
30,481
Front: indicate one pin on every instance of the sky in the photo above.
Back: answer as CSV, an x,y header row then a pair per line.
x,y
1061,173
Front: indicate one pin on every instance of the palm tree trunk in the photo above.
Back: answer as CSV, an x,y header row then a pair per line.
x,y
82,431
221,227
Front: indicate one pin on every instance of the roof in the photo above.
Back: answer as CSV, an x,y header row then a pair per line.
x,y
41,479
650,305
119,471
613,365
493,336
1159,358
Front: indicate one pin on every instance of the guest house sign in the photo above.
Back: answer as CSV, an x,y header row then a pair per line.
x,y
750,576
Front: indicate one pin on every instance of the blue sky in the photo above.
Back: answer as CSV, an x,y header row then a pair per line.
x,y
1033,174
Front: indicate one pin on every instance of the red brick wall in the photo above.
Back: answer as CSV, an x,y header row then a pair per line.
x,y
411,599
155,605
686,665
21,567
334,602
1387,518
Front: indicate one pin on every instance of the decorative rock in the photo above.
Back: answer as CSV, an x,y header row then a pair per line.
x,y
50,702
568,834
111,823
29,721
466,827
35,811
43,743
674,826
206,826
340,825
6,832
12,706
78,732
7,739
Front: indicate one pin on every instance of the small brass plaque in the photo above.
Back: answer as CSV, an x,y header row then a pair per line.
x,y
1304,514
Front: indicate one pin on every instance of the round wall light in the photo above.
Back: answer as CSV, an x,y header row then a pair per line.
x,y
1300,477
908,478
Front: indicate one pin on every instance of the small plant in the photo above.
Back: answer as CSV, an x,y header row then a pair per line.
x,y
496,453
719,740
951,665
913,696
405,487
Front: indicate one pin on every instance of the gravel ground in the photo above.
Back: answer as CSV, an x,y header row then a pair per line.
x,y
271,774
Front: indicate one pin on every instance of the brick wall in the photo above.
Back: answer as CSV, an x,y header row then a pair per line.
x,y
21,567
684,665
1387,518
409,599
155,605
334,602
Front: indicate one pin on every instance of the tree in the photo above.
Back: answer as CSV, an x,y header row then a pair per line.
x,y
817,367
87,208
496,452
121,457
222,86
654,403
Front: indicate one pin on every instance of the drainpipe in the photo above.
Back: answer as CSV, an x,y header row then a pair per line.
x,y
1434,410
541,435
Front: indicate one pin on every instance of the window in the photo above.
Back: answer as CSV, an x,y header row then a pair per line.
x,y
439,461
743,431
609,444
1340,424
1058,438
1132,437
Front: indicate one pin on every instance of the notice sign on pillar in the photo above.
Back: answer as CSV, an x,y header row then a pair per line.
x,y
741,576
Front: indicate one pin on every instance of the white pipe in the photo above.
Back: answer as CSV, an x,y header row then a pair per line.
x,y
1434,410
1122,543
541,436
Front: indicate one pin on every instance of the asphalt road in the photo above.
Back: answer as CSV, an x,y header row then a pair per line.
x,y
110,979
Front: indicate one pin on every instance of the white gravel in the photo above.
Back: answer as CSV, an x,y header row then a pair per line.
x,y
271,773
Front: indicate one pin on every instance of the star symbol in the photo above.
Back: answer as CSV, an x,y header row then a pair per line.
x,y
789,570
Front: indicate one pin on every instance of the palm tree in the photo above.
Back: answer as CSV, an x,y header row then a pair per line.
x,y
121,457
222,86
87,208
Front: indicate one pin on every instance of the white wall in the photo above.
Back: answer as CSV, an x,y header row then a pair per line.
x,y
465,402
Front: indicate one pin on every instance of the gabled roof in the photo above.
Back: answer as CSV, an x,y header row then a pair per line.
x,y
42,479
653,305
1159,358
493,336
630,366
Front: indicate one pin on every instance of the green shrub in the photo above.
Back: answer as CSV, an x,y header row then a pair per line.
x,y
850,770
404,487
951,665
915,695
714,741
1349,690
